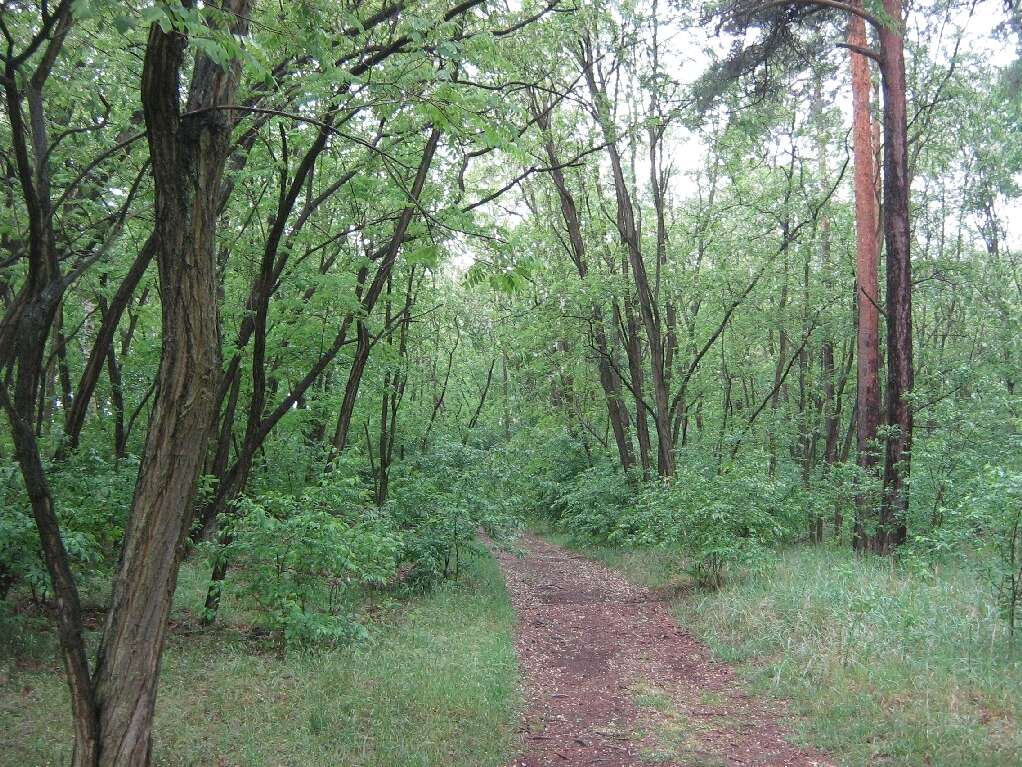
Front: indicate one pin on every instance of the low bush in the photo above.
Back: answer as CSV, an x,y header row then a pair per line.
x,y
439,502
723,523
300,558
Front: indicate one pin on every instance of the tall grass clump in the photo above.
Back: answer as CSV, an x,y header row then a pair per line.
x,y
885,665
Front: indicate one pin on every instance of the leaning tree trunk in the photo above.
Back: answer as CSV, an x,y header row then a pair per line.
x,y
387,257
188,154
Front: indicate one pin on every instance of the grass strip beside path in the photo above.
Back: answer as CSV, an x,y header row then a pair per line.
x,y
882,665
435,686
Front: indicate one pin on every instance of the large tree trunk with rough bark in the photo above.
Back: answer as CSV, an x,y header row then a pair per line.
x,y
188,152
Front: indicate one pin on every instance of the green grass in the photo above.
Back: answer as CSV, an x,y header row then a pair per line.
x,y
435,685
882,666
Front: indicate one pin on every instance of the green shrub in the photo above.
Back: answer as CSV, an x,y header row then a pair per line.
x,y
723,523
93,496
596,503
985,529
297,558
441,499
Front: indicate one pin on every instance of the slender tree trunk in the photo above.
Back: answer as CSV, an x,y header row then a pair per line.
x,y
474,421
897,230
611,385
629,330
388,258
829,404
629,234
617,413
782,358
358,364
75,414
868,405
24,329
393,393
113,370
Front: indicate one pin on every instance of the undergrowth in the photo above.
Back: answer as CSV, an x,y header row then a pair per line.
x,y
434,684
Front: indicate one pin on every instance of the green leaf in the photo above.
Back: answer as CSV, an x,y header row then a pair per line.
x,y
448,49
428,255
83,9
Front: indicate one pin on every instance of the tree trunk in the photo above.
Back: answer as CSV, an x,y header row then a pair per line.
x,y
897,231
629,328
75,418
387,258
24,329
628,232
868,406
609,381
188,155
782,358
358,364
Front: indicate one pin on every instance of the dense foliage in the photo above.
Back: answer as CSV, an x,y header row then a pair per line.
x,y
310,294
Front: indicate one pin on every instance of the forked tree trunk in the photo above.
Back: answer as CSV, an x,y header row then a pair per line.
x,y
188,154
24,329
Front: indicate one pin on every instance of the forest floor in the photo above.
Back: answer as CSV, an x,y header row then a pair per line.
x,y
434,686
881,666
610,679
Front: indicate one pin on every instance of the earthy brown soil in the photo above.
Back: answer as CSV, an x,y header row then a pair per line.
x,y
611,680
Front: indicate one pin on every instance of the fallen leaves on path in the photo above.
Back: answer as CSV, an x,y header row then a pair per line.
x,y
611,680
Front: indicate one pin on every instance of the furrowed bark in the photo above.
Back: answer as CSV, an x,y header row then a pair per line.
x,y
897,235
188,153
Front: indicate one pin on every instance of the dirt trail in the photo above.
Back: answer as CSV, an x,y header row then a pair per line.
x,y
611,680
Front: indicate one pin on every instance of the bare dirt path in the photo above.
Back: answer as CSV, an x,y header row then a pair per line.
x,y
611,680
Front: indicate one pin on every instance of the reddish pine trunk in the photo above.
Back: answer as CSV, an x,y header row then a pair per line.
x,y
867,256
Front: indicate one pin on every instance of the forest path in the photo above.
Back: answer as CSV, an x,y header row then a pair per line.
x,y
611,680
